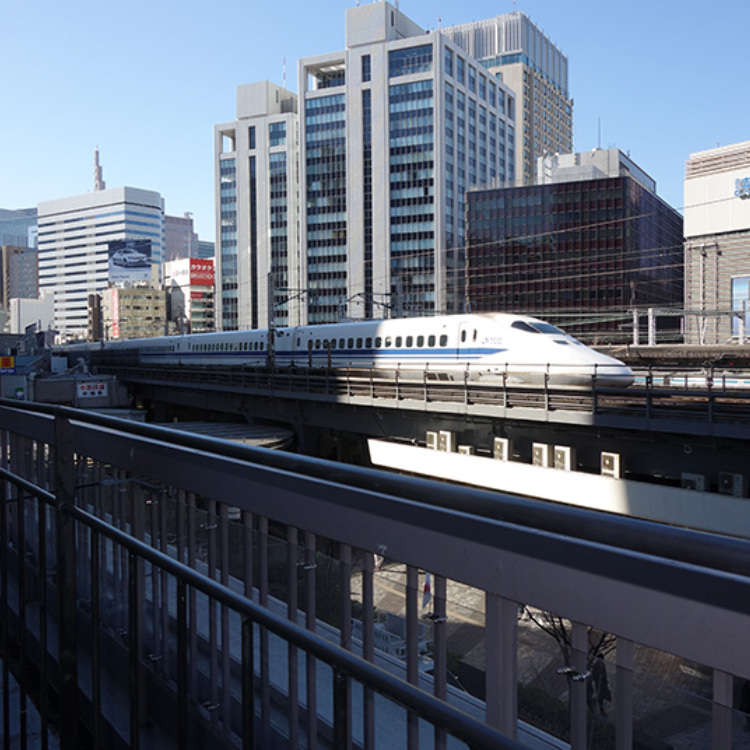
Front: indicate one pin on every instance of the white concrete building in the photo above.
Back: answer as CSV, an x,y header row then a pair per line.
x,y
25,311
75,252
256,193
717,242
393,130
517,52
189,283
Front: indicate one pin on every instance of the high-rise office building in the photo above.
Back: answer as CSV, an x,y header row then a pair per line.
x,y
88,241
515,50
257,243
393,129
18,227
583,249
717,243
180,239
18,274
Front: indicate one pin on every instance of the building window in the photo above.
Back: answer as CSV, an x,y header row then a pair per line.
x,y
740,297
366,68
460,70
277,134
402,62
472,79
448,62
251,137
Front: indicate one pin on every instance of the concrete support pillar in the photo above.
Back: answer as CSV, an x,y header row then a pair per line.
x,y
501,668
651,326
578,709
721,714
741,323
624,694
636,332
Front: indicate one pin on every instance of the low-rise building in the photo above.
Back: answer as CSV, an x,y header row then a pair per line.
x,y
717,243
133,312
189,283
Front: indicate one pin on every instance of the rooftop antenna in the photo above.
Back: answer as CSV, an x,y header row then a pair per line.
x,y
440,22
99,183
599,141
283,71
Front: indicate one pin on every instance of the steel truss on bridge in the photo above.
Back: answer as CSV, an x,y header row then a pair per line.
x,y
140,567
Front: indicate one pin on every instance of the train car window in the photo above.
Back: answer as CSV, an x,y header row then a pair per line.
x,y
409,341
317,343
378,342
475,335
298,341
342,343
443,340
522,325
262,345
368,343
350,343
463,335
398,341
387,342
359,343
325,343
420,340
431,341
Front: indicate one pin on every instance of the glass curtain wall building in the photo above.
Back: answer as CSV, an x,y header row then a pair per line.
x,y
395,128
256,196
581,254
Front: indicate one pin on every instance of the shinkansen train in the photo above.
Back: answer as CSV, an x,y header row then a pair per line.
x,y
524,349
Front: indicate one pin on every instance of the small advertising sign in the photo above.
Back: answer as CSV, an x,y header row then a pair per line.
x,y
7,365
92,389
201,272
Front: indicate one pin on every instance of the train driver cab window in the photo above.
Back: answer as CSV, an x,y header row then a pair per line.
x,y
398,341
409,341
420,340
431,341
522,325
443,340
368,343
350,344
359,343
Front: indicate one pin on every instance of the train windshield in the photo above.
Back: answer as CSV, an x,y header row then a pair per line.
x,y
536,327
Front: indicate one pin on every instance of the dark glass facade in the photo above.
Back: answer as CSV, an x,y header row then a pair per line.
x,y
582,254
277,169
228,200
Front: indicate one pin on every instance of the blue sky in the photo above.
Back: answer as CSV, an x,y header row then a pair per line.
x,y
146,81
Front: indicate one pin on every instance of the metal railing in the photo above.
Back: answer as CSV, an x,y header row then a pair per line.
x,y
207,587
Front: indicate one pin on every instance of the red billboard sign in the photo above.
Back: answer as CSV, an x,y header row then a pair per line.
x,y
201,272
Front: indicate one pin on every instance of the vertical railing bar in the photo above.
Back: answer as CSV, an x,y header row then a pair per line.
x,y
119,504
440,651
43,692
212,629
292,670
133,655
342,733
265,689
21,554
193,598
412,655
345,558
182,667
164,586
65,544
226,699
155,619
96,641
310,624
248,685
4,595
180,514
368,645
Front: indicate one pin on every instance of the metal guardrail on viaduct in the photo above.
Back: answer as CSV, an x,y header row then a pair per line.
x,y
162,589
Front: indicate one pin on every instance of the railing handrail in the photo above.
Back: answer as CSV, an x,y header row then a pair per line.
x,y
705,549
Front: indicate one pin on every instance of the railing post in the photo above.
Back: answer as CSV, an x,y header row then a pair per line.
x,y
577,688
66,583
248,686
636,331
651,327
721,714
342,730
501,641
182,665
624,695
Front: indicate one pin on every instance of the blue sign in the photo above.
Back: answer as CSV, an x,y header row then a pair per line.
x,y
742,188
